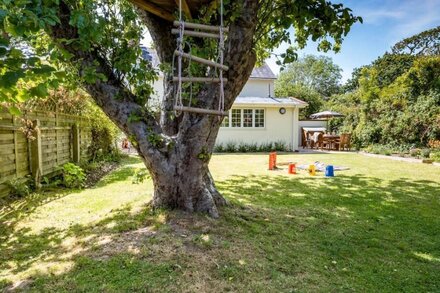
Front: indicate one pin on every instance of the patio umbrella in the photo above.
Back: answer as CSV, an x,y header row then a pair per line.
x,y
326,115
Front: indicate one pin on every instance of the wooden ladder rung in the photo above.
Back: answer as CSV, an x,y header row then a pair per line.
x,y
201,111
199,26
200,79
176,31
201,60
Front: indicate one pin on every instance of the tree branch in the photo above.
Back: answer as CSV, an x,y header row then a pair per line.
x,y
111,95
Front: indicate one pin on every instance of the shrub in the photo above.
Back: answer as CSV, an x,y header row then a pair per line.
x,y
230,147
242,148
19,186
379,149
218,148
73,176
265,147
435,155
233,147
253,148
280,146
415,152
424,153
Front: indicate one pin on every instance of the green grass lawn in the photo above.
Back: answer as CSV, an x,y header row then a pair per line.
x,y
373,228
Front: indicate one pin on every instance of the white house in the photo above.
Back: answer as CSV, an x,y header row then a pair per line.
x,y
256,116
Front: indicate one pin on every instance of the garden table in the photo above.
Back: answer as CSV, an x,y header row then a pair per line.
x,y
330,141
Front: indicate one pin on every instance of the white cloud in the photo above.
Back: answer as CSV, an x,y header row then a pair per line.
x,y
376,16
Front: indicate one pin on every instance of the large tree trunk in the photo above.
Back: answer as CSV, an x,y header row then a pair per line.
x,y
186,185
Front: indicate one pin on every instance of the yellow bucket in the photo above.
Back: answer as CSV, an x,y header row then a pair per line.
x,y
312,170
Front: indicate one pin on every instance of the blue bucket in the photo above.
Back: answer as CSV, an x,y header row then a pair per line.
x,y
329,171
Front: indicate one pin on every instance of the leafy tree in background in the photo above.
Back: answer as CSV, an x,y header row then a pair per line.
x,y
352,84
396,99
424,43
95,45
317,73
311,96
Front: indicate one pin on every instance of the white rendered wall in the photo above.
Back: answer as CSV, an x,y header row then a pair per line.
x,y
278,127
157,95
258,88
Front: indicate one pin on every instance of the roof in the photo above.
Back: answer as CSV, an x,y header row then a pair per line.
x,y
269,101
262,72
150,55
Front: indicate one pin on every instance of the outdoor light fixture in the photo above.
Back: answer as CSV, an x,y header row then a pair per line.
x,y
282,111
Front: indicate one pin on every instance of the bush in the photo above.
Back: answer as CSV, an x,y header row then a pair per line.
x,y
218,148
73,176
230,147
379,149
19,187
415,152
233,147
435,155
424,153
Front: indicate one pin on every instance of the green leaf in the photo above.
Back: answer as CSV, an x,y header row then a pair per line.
x,y
14,110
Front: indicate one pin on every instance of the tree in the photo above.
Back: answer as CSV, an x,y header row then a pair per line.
x,y
96,44
424,43
312,97
318,73
352,84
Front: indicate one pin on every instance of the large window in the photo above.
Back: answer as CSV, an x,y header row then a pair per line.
x,y
245,118
236,118
259,118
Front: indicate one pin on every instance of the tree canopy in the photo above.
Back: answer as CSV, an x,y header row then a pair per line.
x,y
318,73
395,100
424,43
95,45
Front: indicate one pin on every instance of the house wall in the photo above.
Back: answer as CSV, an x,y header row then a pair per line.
x,y
258,88
157,95
253,88
277,128
309,123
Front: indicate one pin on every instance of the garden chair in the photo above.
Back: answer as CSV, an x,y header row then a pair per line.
x,y
307,140
345,140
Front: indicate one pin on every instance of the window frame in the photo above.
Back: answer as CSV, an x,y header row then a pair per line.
x,y
229,118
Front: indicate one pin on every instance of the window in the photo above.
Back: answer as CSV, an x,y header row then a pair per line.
x,y
236,117
244,118
259,117
247,117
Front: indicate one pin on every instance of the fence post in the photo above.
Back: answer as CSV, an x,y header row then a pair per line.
x,y
14,122
36,154
76,144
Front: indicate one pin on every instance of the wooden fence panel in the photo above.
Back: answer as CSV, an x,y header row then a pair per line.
x,y
56,144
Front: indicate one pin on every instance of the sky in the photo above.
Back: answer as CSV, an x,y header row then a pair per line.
x,y
385,23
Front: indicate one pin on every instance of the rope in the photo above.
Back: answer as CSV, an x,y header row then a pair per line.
x,y
221,52
220,58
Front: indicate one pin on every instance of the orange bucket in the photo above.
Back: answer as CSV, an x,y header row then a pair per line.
x,y
272,161
292,169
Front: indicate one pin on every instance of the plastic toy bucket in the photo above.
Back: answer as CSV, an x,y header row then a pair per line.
x,y
312,170
292,169
329,171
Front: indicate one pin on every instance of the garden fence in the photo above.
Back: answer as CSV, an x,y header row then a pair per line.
x,y
54,139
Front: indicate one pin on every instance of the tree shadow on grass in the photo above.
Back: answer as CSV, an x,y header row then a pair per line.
x,y
356,229
308,233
